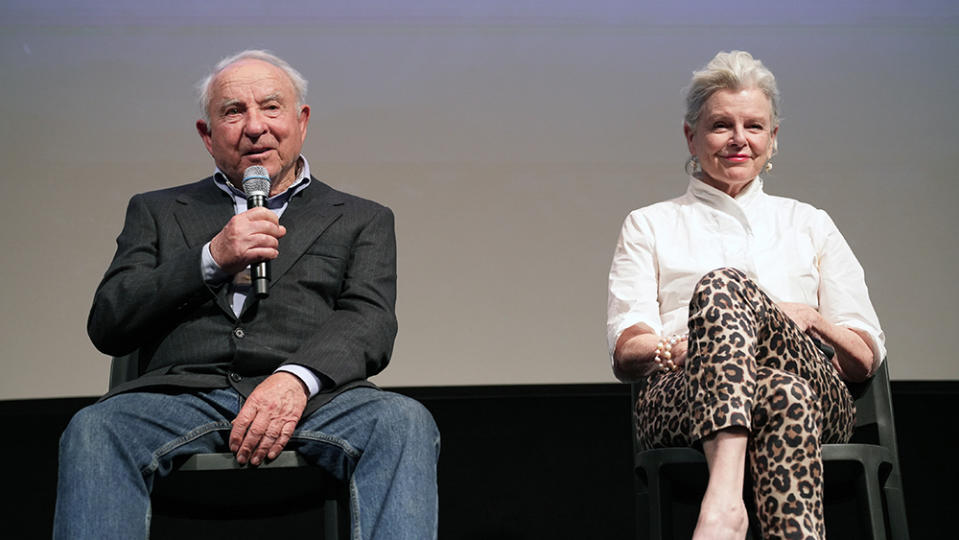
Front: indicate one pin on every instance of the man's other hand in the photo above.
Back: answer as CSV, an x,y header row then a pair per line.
x,y
249,237
268,418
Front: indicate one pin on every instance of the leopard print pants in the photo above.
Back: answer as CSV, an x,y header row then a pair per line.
x,y
749,365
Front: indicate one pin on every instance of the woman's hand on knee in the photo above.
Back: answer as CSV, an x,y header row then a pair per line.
x,y
679,351
806,317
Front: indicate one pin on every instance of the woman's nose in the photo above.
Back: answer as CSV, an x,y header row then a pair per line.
x,y
738,137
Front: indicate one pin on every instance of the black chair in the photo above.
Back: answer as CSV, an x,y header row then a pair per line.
x,y
862,477
213,496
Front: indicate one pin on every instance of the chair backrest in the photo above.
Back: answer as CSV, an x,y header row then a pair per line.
x,y
883,402
124,368
874,416
874,408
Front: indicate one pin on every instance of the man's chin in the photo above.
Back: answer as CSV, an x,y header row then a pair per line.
x,y
270,165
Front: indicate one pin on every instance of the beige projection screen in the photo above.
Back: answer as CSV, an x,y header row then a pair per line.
x,y
510,138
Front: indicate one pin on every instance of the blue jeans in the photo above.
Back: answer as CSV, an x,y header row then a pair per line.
x,y
383,445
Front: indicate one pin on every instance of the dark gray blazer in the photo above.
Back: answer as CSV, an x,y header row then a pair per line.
x,y
331,303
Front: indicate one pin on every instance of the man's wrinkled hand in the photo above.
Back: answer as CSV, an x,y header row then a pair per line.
x,y
268,418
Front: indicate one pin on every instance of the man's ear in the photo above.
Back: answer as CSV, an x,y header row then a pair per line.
x,y
204,130
304,121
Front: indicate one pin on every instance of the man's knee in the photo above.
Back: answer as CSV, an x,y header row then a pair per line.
x,y
413,415
410,419
88,431
115,422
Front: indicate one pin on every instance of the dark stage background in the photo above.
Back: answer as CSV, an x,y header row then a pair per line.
x,y
518,462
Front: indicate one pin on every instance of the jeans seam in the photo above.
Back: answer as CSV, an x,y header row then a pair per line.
x,y
335,441
357,533
190,436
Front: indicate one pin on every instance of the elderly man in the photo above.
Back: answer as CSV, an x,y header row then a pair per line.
x,y
222,367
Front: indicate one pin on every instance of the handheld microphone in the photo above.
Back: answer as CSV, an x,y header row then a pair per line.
x,y
256,185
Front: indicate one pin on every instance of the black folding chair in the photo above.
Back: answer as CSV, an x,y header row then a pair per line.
x,y
670,482
205,492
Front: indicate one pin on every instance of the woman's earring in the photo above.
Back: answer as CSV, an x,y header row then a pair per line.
x,y
769,165
692,166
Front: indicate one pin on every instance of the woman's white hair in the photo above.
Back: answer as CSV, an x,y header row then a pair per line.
x,y
203,87
734,70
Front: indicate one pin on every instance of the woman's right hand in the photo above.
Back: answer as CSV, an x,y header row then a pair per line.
x,y
806,317
635,353
679,351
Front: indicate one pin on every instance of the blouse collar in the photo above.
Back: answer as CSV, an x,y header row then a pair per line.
x,y
734,206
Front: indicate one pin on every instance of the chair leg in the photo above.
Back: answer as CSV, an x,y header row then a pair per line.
x,y
662,510
896,509
642,515
869,491
331,517
658,511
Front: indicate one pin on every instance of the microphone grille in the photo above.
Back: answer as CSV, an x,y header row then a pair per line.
x,y
256,181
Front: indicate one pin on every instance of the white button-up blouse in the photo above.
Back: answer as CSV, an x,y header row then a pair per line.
x,y
791,249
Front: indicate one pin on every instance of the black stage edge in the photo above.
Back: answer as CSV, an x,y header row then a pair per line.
x,y
520,462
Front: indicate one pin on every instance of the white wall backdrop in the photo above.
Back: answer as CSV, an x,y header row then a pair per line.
x,y
510,138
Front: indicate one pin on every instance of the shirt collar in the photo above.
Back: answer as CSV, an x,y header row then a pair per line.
x,y
705,192
301,183
735,207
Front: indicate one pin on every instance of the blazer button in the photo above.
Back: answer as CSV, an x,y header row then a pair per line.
x,y
239,333
235,377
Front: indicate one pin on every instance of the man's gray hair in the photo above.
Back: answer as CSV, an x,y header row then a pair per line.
x,y
203,87
734,70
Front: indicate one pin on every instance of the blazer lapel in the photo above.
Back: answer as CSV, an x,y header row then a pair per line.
x,y
308,215
201,213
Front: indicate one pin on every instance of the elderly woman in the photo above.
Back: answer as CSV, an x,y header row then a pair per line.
x,y
744,312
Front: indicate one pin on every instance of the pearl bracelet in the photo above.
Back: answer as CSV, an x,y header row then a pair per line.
x,y
664,352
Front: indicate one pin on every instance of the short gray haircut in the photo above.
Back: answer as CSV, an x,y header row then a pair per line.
x,y
734,70
298,81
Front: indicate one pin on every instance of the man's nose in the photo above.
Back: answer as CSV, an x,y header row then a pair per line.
x,y
255,125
